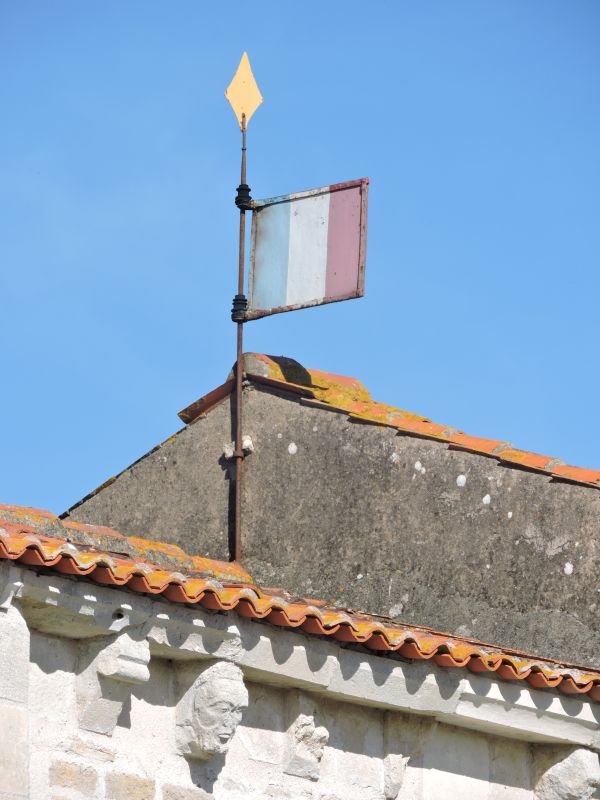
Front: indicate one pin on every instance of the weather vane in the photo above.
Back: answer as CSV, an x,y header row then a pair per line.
x,y
308,249
244,97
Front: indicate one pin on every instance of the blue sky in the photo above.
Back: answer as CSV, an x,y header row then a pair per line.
x,y
478,124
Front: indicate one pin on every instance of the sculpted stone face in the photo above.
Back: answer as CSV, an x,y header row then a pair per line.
x,y
212,711
218,706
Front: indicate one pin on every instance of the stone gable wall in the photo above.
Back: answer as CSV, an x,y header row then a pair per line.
x,y
385,523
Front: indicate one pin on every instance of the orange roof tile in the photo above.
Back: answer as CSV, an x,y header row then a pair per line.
x,y
351,397
39,539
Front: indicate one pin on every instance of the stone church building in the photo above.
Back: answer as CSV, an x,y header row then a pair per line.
x,y
435,592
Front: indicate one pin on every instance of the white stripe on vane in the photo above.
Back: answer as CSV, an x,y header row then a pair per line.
x,y
307,266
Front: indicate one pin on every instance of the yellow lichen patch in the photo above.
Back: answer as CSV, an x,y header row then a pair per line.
x,y
395,636
534,460
159,578
339,387
229,597
170,550
50,550
120,568
96,535
363,627
194,588
262,605
295,612
85,559
222,570
28,513
383,414
520,664
105,484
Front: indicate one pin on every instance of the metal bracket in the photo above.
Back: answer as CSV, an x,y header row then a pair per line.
x,y
240,306
243,200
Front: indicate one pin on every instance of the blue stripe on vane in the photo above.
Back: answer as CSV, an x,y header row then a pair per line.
x,y
271,257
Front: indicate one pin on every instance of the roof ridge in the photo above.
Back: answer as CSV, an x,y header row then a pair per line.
x,y
350,396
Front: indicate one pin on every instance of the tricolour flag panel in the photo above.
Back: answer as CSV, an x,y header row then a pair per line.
x,y
308,248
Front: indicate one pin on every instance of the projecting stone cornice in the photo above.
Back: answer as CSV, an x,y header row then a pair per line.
x,y
72,609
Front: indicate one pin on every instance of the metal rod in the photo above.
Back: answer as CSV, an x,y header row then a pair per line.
x,y
239,369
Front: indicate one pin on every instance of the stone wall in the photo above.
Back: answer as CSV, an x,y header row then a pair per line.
x,y
108,696
369,519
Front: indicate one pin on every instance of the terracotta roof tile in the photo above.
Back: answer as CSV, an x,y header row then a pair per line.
x,y
350,396
39,539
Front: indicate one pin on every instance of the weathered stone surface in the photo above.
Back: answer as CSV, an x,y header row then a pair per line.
x,y
563,774
190,469
374,751
339,510
14,749
80,778
180,793
14,661
108,670
210,711
91,751
120,786
306,739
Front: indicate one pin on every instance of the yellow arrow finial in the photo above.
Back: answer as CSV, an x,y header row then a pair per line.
x,y
243,93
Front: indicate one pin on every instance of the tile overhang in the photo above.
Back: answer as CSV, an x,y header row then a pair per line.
x,y
38,539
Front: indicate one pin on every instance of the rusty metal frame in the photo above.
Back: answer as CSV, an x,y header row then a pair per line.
x,y
258,205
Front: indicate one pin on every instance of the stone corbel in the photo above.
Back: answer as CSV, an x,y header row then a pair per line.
x,y
305,739
11,584
111,666
566,774
210,709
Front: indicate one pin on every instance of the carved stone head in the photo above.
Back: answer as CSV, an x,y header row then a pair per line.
x,y
307,743
211,711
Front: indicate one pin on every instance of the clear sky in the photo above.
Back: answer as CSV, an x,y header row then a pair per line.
x,y
478,124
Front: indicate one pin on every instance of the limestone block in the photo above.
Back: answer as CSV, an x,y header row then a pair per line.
x,y
181,793
294,659
263,736
81,779
387,683
565,774
112,666
120,786
306,739
448,747
352,762
13,747
511,766
90,750
395,760
14,659
176,639
210,711
276,791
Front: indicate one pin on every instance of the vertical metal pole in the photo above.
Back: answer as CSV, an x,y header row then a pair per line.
x,y
239,369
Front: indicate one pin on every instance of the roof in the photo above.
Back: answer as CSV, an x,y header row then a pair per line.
x,y
350,396
38,539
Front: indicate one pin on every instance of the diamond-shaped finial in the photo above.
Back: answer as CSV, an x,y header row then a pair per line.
x,y
243,93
